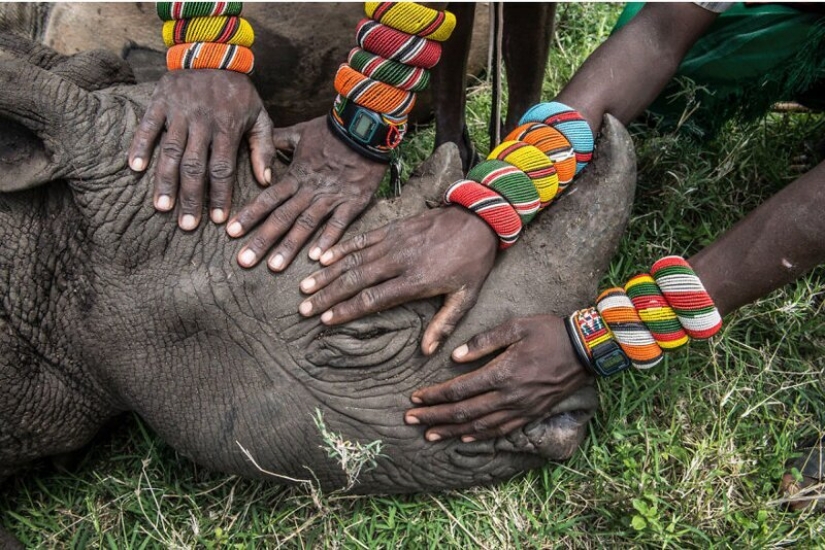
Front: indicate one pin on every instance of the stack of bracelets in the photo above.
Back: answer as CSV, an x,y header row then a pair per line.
x,y
206,35
376,88
653,313
534,165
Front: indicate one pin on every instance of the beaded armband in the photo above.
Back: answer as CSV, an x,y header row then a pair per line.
x,y
489,206
595,344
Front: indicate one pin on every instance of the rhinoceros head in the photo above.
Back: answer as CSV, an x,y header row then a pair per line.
x,y
135,315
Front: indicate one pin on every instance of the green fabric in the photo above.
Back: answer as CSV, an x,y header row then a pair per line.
x,y
750,58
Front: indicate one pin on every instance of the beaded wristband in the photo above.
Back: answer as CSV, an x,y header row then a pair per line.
x,y
372,94
208,55
223,30
655,312
589,332
489,206
569,122
412,18
511,183
186,10
398,46
404,77
532,162
687,296
628,329
552,143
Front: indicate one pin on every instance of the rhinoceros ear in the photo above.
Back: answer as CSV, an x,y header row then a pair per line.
x,y
43,120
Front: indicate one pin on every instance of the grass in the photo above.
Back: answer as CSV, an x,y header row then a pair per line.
x,y
685,456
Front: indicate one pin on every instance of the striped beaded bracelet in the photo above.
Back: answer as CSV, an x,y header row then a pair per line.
x,y
532,162
594,343
489,206
412,18
210,55
569,122
372,94
686,294
396,45
223,30
627,328
404,77
552,143
186,10
511,183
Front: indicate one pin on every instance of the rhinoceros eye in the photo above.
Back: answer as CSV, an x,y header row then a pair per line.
x,y
379,339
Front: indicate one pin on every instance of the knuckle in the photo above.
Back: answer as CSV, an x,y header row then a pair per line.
x,y
455,392
369,299
172,148
460,415
480,426
307,221
221,170
193,167
259,243
500,377
353,278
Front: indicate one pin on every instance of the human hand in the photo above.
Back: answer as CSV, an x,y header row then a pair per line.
x,y
445,251
536,369
206,113
326,179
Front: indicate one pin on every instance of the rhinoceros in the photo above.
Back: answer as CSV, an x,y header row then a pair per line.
x,y
108,307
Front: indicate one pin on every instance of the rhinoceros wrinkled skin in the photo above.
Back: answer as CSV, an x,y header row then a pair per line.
x,y
108,307
298,45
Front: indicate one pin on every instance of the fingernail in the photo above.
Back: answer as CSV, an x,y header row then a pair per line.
x,y
411,420
327,257
433,437
137,164
415,399
234,229
164,202
433,347
218,215
326,317
247,257
460,351
188,222
315,253
305,308
268,175
468,439
308,284
276,262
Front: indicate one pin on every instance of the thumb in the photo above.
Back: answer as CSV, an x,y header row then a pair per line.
x,y
456,305
287,138
262,148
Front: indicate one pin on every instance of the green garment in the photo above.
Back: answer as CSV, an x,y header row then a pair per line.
x,y
750,58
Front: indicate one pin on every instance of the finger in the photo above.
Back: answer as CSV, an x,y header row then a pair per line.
x,y
360,253
358,242
262,148
260,207
283,216
354,274
491,376
303,228
494,425
335,228
172,145
456,305
193,177
146,135
372,299
287,138
461,412
222,174
488,342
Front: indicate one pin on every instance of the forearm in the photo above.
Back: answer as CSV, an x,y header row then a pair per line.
x,y
629,70
773,246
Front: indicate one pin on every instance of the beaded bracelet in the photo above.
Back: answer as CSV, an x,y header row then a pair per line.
x,y
532,162
595,344
569,122
413,19
552,143
372,94
652,314
187,10
223,30
210,55
511,183
489,206
404,77
396,45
